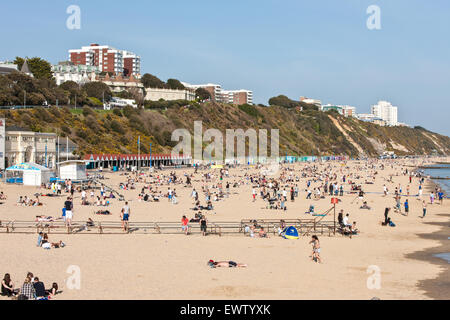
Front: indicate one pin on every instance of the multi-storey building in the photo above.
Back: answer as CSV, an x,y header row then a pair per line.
x,y
215,90
119,83
107,58
68,71
237,97
347,111
225,96
386,111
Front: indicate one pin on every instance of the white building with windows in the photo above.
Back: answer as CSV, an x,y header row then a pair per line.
x,y
67,71
156,94
23,146
387,112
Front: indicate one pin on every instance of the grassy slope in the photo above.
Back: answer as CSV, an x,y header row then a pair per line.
x,y
301,133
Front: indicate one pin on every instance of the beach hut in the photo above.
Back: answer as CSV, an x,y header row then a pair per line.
x,y
73,170
290,233
29,174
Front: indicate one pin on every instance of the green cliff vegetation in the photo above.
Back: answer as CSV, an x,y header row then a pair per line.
x,y
307,132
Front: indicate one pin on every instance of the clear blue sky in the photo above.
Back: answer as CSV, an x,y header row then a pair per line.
x,y
319,49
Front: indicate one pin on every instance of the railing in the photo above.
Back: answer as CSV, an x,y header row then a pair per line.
x,y
305,227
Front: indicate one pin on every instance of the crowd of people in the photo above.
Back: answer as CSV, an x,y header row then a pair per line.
x,y
31,289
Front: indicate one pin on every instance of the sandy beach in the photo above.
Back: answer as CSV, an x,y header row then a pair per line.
x,y
152,266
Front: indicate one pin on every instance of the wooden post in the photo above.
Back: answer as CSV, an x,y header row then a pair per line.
x,y
334,228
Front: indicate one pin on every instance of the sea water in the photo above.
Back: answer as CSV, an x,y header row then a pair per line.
x,y
445,256
442,172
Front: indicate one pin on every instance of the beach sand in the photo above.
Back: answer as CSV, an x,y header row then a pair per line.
x,y
139,266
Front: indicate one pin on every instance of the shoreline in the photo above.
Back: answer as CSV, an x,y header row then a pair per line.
x,y
439,287
436,288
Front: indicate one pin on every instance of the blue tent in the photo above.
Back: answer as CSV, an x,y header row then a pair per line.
x,y
290,233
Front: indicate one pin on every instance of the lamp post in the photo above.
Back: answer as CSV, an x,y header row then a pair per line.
x,y
46,140
151,155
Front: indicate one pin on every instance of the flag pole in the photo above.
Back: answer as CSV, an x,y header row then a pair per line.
x,y
139,152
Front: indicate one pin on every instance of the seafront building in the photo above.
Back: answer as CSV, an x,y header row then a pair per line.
x,y
369,117
237,97
22,145
386,111
7,67
68,71
118,83
156,94
218,94
107,59
346,111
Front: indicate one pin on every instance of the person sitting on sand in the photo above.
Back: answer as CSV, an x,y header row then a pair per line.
x,y
262,233
53,290
225,264
7,286
353,229
365,206
27,291
39,288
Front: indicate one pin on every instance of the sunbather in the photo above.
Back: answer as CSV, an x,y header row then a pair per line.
x,y
225,264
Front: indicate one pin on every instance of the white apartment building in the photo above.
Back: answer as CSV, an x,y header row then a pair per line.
x,y
387,112
225,96
215,90
349,111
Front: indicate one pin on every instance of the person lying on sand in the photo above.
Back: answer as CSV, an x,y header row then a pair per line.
x,y
44,219
225,264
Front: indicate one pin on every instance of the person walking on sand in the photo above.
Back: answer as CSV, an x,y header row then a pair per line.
x,y
406,207
185,225
316,249
424,207
68,205
203,225
125,216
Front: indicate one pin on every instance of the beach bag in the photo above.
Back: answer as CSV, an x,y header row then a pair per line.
x,y
391,224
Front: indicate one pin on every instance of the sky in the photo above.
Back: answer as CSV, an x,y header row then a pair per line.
x,y
318,49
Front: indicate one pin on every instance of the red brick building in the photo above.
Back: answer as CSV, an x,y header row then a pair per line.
x,y
108,59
